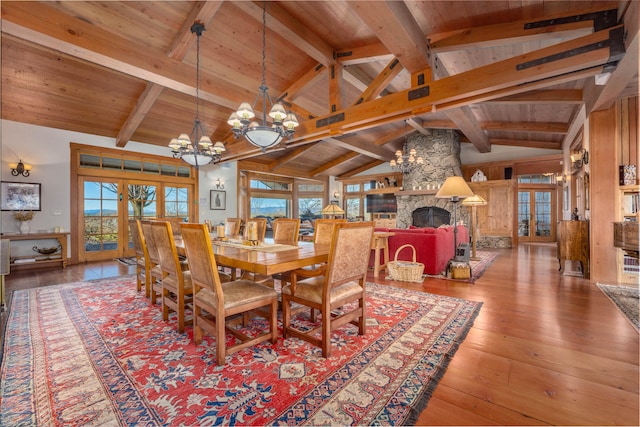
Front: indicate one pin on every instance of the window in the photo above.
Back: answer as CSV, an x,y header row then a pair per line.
x,y
537,179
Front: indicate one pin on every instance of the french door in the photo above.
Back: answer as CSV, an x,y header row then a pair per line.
x,y
536,215
108,204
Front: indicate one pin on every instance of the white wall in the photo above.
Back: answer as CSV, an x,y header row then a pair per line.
x,y
47,150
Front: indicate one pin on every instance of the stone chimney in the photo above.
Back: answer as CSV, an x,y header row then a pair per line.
x,y
441,153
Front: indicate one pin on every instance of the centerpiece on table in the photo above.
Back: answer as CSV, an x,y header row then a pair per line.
x,y
24,217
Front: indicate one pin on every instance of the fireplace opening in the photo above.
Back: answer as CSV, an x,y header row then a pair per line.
x,y
430,216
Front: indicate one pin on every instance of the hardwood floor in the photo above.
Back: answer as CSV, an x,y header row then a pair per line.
x,y
545,348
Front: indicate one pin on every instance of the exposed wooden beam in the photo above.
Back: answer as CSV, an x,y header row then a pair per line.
x,y
540,127
360,169
418,125
182,43
307,79
537,84
573,25
542,96
364,54
468,124
527,144
55,30
335,162
603,97
144,103
396,28
290,156
361,147
382,80
291,29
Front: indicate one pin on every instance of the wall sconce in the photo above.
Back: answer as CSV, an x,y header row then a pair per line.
x,y
560,178
580,158
336,195
219,183
19,168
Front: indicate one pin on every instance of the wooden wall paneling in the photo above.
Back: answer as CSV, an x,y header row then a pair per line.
x,y
496,219
604,179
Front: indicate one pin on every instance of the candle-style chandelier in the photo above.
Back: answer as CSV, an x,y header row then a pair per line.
x,y
263,134
406,161
205,151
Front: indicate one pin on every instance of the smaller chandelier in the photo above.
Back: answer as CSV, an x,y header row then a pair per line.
x,y
261,134
406,162
205,151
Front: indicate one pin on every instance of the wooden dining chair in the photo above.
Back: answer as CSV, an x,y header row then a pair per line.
x,y
176,283
343,282
232,227
143,267
323,230
322,234
215,302
152,263
286,230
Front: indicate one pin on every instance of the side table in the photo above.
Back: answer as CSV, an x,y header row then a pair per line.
x,y
380,242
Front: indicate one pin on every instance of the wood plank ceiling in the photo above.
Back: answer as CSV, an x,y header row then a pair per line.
x,y
360,75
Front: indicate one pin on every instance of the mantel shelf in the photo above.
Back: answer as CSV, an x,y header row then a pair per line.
x,y
416,192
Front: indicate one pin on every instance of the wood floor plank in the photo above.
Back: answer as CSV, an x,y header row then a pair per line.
x,y
545,349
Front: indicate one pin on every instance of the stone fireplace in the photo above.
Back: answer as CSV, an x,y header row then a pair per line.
x,y
430,216
441,153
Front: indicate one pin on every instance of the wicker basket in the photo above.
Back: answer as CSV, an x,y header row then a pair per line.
x,y
405,271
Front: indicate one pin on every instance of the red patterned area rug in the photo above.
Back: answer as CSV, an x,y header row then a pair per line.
x,y
98,353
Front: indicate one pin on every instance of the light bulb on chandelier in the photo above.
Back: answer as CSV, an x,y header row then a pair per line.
x,y
261,134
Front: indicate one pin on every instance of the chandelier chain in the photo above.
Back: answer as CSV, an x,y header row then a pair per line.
x,y
283,124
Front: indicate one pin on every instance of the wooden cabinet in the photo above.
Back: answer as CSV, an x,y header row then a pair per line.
x,y
386,220
37,260
625,234
573,244
496,218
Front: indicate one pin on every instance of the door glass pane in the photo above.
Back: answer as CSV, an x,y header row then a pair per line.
x,y
176,203
142,201
100,216
543,213
524,213
353,208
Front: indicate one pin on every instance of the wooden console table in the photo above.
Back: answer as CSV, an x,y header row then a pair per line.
x,y
573,244
39,260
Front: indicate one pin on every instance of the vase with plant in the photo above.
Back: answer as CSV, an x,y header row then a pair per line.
x,y
24,217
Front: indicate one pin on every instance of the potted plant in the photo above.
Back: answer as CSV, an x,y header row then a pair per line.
x,y
24,217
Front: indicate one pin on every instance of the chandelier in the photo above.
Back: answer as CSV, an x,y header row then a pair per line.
x,y
204,152
406,162
261,134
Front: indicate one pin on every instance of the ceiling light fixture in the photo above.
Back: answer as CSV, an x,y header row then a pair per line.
x,y
204,152
406,161
262,134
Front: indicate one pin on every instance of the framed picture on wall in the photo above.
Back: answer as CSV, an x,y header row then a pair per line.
x,y
20,196
218,200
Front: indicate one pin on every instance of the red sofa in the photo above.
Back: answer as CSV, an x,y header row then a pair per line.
x,y
434,246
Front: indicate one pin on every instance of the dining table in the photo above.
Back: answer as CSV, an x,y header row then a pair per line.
x,y
268,257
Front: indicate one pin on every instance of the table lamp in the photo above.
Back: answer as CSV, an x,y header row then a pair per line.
x,y
474,202
332,209
455,189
